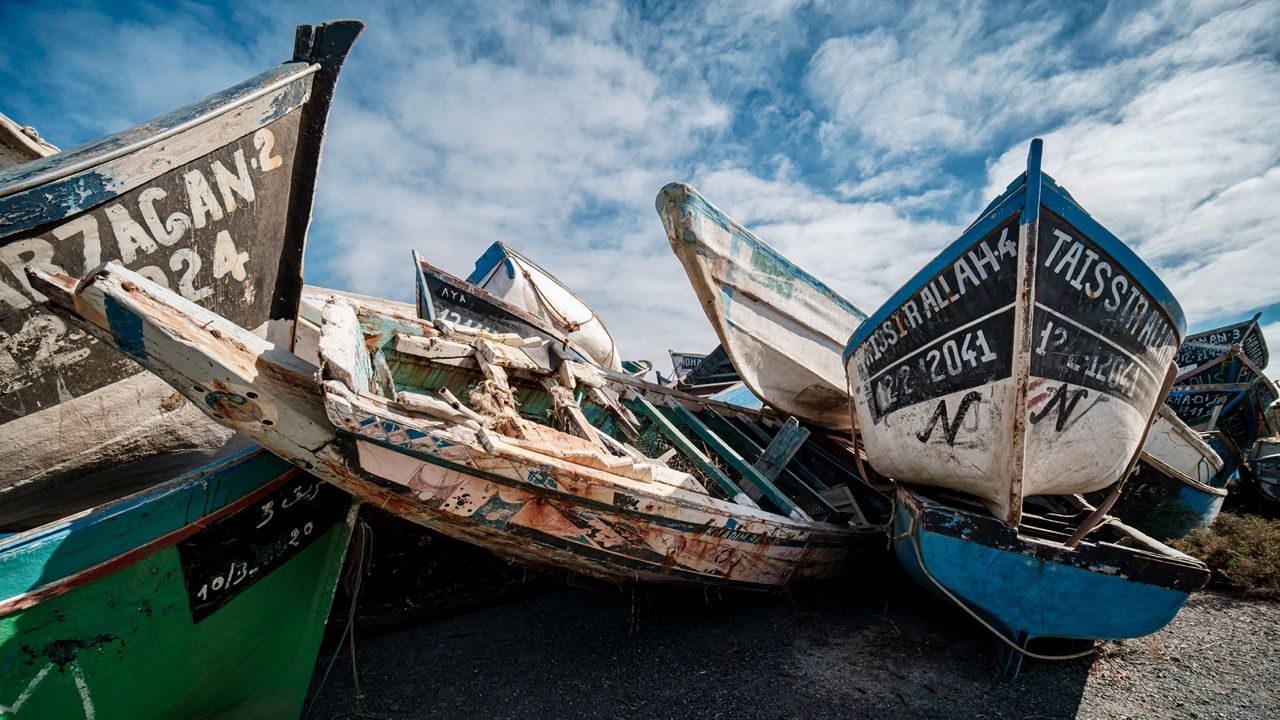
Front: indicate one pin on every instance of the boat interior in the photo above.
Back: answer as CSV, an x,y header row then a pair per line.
x,y
734,454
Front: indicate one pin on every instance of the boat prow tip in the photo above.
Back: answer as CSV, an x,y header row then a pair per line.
x,y
59,288
673,192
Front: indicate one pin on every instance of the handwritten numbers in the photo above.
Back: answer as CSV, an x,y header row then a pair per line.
x,y
227,259
265,142
268,512
186,284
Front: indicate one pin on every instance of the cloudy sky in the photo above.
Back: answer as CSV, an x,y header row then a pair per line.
x,y
857,138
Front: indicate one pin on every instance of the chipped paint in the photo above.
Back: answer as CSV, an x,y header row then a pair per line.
x,y
619,517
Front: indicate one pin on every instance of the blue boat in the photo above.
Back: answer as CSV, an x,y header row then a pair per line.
x,y
1237,410
1205,348
1166,505
1028,582
1264,463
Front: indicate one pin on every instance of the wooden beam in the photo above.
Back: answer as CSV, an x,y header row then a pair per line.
x,y
638,404
798,465
795,473
781,449
736,461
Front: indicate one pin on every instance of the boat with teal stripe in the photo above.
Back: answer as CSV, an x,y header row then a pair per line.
x,y
205,596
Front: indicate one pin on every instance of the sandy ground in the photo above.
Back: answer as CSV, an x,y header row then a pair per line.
x,y
870,646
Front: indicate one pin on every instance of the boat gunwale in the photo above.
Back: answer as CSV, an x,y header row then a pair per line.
x,y
1011,206
1179,568
1057,200
84,576
65,164
689,197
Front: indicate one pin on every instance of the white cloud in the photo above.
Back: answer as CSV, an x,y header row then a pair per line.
x,y
833,132
1186,175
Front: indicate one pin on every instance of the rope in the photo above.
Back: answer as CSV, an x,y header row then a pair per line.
x,y
570,325
915,545
364,554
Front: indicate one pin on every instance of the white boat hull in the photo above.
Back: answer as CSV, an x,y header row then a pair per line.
x,y
782,328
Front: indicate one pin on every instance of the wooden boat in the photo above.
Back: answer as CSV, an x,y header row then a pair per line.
x,y
212,200
204,596
1026,359
1203,347
20,144
782,327
1031,582
683,363
442,296
520,282
421,419
1236,409
1264,462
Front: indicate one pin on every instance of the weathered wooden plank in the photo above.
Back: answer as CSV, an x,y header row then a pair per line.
x,y
736,461
792,473
638,404
782,448
799,464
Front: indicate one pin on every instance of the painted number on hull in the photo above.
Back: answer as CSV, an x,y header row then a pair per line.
x,y
231,555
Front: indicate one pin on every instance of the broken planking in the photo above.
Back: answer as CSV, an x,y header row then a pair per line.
x,y
514,485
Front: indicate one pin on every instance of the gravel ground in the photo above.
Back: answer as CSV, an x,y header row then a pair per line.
x,y
848,649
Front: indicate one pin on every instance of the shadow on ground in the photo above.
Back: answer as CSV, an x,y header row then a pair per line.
x,y
869,645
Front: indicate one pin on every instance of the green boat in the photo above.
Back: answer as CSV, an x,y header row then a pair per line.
x,y
204,597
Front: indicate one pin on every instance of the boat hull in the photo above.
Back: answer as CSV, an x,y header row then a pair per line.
x,y
1026,359
1238,410
554,516
1167,507
1264,461
519,281
622,519
782,328
1032,589
212,200
204,597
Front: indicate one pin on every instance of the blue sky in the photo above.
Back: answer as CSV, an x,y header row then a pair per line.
x,y
857,138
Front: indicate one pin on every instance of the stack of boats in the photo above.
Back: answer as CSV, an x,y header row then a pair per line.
x,y
1002,417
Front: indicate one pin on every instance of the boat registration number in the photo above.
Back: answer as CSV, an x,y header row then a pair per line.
x,y
229,556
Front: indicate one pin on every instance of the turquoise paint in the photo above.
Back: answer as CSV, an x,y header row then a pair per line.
x,y
691,201
739,395
126,326
1021,594
50,553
